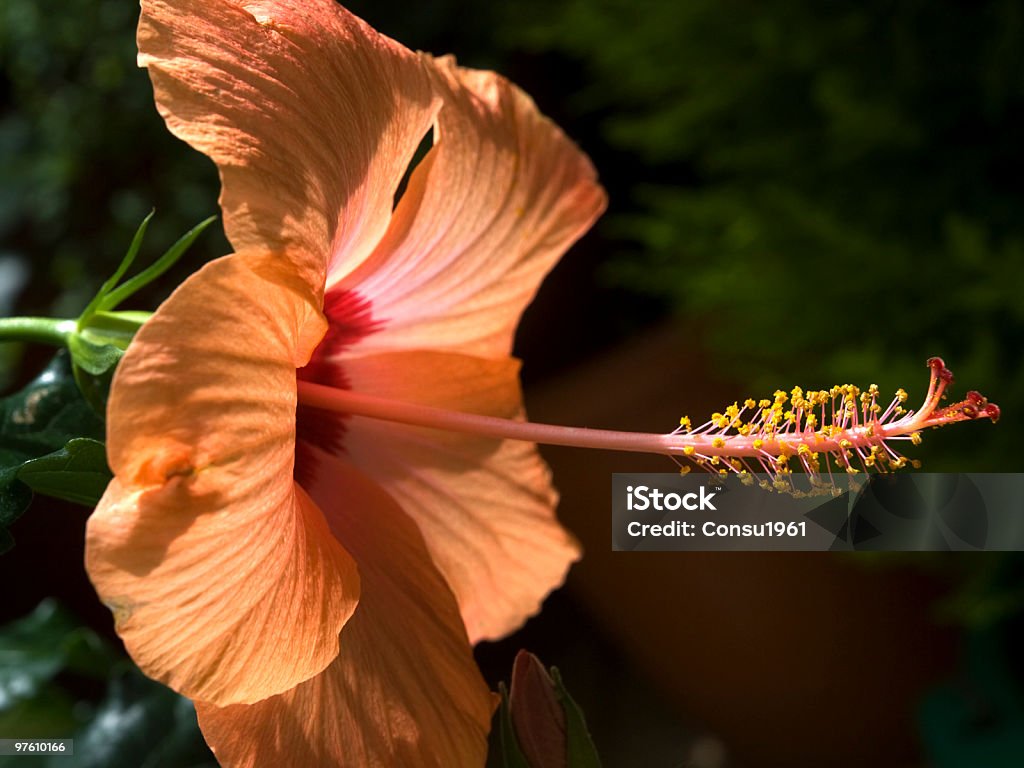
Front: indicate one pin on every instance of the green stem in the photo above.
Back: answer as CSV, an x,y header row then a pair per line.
x,y
47,330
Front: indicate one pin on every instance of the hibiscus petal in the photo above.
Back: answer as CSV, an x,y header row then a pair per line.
x,y
311,116
404,689
485,507
224,579
498,199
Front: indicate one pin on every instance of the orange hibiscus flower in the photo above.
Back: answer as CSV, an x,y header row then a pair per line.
x,y
324,490
314,581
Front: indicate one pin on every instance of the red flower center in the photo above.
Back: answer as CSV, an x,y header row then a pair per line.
x,y
351,319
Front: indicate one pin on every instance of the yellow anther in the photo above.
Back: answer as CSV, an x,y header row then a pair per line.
x,y
718,442
689,450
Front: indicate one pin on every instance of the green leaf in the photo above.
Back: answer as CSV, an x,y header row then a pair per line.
x,y
14,499
580,747
40,419
511,755
78,472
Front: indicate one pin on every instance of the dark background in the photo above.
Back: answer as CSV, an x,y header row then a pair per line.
x,y
800,193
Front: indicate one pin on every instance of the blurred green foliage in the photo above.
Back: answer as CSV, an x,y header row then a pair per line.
x,y
60,680
834,189
83,154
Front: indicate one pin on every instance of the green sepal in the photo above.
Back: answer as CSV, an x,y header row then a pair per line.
x,y
99,337
581,752
92,357
95,389
102,335
97,348
157,268
511,755
78,472
37,421
111,283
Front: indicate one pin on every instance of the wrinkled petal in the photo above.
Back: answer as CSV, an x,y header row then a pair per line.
x,y
311,116
404,690
497,200
223,577
485,506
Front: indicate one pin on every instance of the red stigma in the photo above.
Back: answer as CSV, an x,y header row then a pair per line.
x,y
992,411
